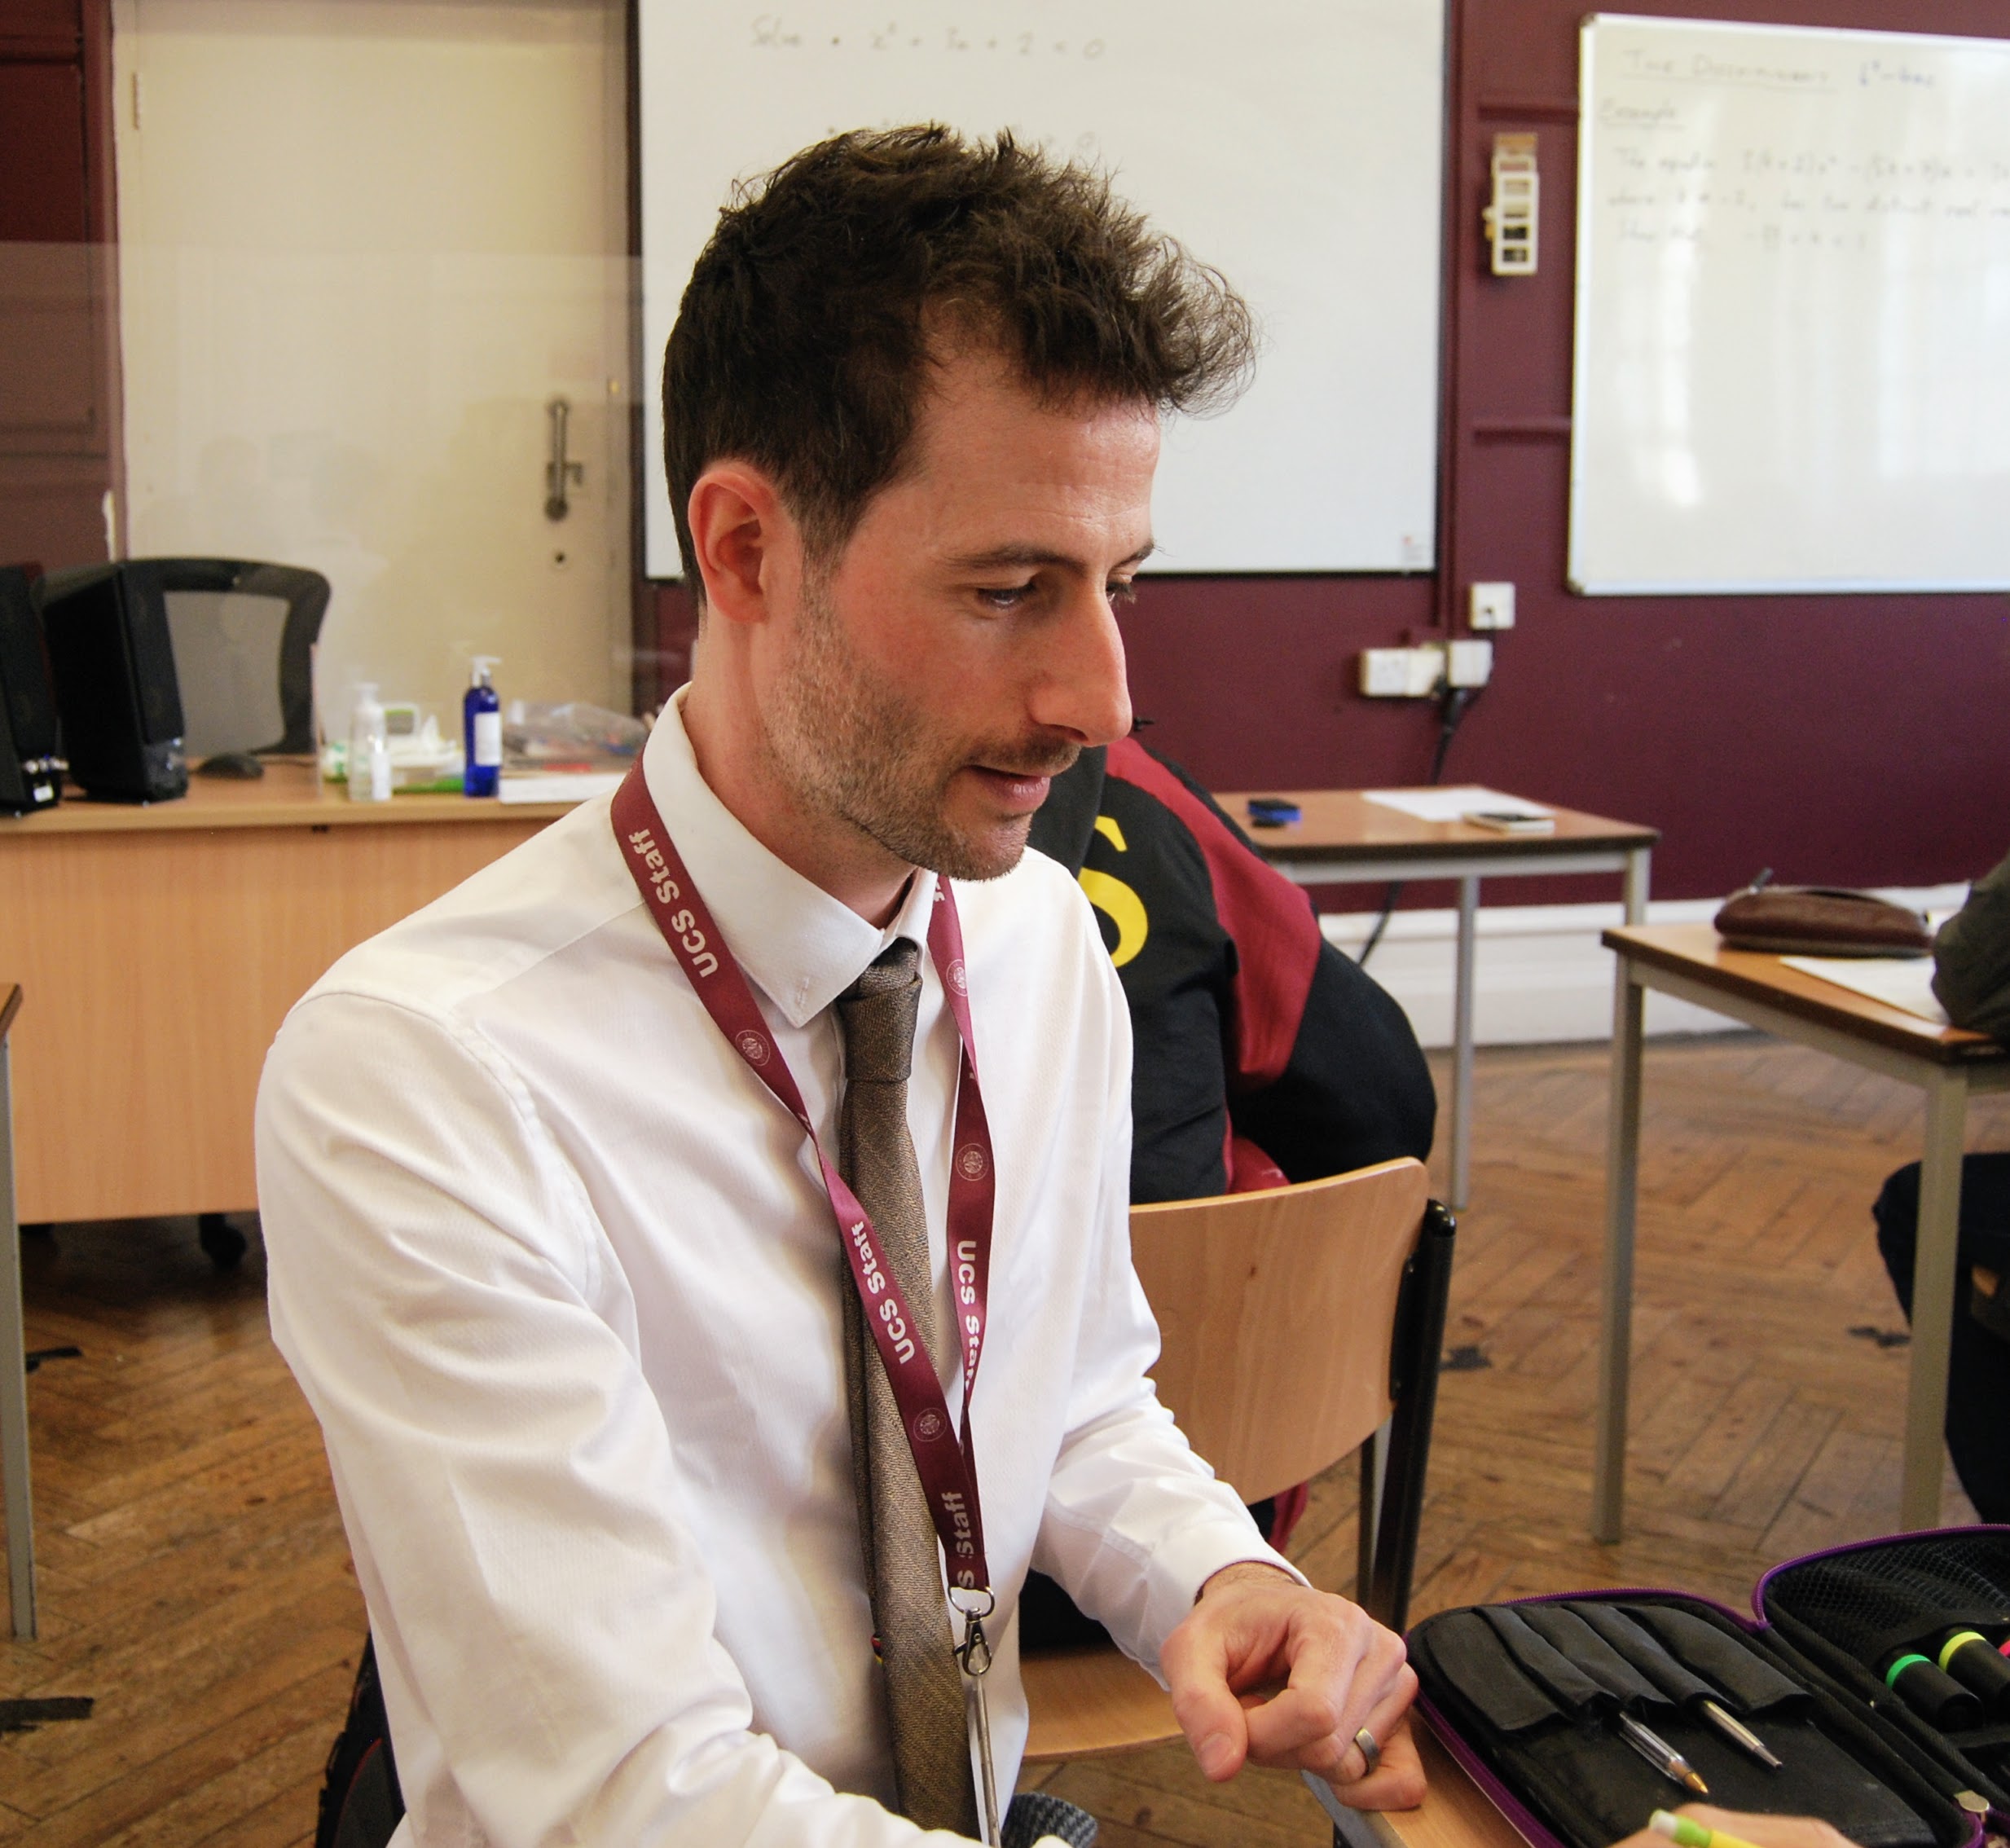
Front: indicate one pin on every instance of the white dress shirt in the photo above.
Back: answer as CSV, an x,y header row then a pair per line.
x,y
557,1274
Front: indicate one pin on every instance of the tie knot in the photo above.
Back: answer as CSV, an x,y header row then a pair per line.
x,y
877,1013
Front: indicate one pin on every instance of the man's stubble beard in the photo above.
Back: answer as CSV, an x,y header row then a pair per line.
x,y
868,758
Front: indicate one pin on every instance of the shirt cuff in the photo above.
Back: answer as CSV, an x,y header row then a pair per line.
x,y
1182,1565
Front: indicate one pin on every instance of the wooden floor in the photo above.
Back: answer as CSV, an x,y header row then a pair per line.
x,y
194,1583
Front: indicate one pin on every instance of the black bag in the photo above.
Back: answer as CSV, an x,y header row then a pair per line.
x,y
361,1803
1838,1677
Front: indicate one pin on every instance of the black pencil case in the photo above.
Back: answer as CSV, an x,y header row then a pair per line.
x,y
1843,1674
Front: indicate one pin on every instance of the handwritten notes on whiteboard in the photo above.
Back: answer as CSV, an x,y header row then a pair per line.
x,y
1793,310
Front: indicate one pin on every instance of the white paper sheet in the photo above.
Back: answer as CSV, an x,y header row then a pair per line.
x,y
1900,982
558,785
1452,804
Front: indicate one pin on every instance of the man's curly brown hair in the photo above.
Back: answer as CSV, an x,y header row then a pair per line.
x,y
831,284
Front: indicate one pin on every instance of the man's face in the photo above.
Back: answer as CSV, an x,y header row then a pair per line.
x,y
961,649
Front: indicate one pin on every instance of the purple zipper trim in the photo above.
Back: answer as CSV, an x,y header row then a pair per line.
x,y
1519,1816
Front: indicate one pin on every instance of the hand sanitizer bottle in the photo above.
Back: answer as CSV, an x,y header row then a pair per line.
x,y
369,764
482,725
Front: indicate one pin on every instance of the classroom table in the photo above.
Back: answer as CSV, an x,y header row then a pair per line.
x,y
1691,962
1455,1812
160,946
1342,839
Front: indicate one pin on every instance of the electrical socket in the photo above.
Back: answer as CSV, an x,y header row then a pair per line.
x,y
1469,663
1385,673
1491,606
1403,673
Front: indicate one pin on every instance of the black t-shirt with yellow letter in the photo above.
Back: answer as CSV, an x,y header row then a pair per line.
x,y
1262,1054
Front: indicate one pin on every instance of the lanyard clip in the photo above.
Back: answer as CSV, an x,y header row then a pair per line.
x,y
974,1652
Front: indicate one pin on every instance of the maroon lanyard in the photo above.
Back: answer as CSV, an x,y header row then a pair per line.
x,y
947,1470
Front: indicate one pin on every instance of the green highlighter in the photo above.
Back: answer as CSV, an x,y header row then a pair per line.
x,y
1686,1834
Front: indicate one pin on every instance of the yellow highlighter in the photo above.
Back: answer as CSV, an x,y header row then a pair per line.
x,y
1686,1834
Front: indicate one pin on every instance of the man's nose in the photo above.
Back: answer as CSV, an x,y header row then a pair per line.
x,y
1083,690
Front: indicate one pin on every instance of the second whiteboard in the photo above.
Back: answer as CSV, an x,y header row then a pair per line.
x,y
1793,310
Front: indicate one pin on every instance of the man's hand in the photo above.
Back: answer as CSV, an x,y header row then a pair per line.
x,y
1268,1671
1764,1832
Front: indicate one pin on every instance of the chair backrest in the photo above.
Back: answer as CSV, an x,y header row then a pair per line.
x,y
1277,1312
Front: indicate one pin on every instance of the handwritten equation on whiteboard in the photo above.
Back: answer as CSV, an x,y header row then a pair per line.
x,y
777,31
1776,196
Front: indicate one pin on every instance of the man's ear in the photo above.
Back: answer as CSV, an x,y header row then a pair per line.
x,y
741,534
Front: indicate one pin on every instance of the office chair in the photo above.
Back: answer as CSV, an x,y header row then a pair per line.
x,y
1298,1325
246,668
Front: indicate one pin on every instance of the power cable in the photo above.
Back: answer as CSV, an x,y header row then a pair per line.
x,y
1453,703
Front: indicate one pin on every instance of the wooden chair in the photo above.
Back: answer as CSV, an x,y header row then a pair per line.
x,y
1299,1325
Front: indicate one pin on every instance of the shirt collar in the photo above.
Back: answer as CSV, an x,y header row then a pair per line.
x,y
801,947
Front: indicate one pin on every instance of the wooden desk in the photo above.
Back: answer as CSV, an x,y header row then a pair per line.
x,y
1455,1812
1342,838
1689,961
159,947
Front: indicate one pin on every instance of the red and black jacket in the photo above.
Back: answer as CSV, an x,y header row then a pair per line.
x,y
1260,1048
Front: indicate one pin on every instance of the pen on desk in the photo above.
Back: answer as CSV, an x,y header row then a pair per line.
x,y
1686,1834
1739,1734
1664,1757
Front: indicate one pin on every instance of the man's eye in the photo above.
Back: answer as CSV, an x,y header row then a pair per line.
x,y
1004,597
1123,591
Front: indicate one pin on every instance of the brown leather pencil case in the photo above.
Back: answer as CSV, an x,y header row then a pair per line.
x,y
1820,921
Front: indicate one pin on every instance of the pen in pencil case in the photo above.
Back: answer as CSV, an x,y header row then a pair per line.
x,y
1739,1734
1686,1834
1664,1757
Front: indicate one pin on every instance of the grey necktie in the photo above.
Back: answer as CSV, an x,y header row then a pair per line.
x,y
925,1701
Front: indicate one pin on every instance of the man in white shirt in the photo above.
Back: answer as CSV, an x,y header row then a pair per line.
x,y
559,1273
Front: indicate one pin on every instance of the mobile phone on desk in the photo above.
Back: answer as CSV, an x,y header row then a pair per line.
x,y
1272,811
1511,821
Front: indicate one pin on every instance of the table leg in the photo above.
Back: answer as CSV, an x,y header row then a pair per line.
x,y
1461,1043
1639,863
1622,1177
14,1381
1933,1268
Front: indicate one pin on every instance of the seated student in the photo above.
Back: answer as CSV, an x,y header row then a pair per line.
x,y
1261,1055
1971,978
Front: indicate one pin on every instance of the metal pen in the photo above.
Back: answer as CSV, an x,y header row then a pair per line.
x,y
1739,1734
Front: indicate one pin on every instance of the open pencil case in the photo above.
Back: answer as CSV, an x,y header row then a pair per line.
x,y
1863,1672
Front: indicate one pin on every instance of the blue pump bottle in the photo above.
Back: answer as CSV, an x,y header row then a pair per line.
x,y
482,729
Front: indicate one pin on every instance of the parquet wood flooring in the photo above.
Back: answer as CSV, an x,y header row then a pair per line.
x,y
195,1580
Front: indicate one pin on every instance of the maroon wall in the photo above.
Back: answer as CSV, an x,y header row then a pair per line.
x,y
1857,739
60,447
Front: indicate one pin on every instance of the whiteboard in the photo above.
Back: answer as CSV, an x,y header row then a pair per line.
x,y
1793,345
1296,145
